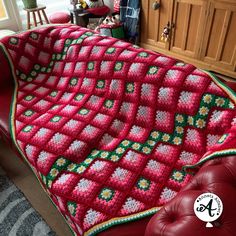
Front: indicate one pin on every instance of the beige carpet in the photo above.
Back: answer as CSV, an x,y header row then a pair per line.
x,y
24,179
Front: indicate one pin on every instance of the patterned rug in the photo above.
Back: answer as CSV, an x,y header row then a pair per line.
x,y
107,126
17,217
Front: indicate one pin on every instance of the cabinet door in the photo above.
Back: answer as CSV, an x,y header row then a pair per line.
x,y
219,48
189,19
154,21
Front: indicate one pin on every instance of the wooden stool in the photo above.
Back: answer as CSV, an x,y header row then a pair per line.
x,y
39,10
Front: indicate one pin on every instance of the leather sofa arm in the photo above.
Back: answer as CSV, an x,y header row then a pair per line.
x,y
177,218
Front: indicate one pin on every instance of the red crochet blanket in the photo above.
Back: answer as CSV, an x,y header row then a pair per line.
x,y
107,126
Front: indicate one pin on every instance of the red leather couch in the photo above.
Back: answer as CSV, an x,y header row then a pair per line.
x,y
176,218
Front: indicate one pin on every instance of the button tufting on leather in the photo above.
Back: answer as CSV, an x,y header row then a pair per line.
x,y
217,223
172,218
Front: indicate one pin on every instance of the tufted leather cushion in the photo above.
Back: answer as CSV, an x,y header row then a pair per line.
x,y
6,90
59,18
177,217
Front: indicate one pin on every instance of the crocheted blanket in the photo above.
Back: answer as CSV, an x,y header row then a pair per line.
x,y
107,126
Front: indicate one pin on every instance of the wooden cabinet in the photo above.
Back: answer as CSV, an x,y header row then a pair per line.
x,y
188,19
153,22
203,32
219,46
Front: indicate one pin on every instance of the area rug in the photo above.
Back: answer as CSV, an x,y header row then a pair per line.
x,y
17,216
107,126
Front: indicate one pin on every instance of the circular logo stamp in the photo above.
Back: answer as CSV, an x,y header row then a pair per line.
x,y
208,207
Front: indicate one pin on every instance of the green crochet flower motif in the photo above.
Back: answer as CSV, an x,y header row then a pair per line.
x,y
61,162
200,123
83,111
178,175
100,84
81,169
130,87
79,97
28,113
33,73
73,81
146,150
53,93
114,158
23,76
220,102
53,173
143,54
90,65
29,97
27,128
68,41
43,69
109,104
207,98
119,65
143,184
106,194
136,146
152,70
34,36
110,50
223,138
72,208
56,119
71,167
14,40
36,66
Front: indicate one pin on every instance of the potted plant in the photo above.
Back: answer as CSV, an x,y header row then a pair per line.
x,y
28,4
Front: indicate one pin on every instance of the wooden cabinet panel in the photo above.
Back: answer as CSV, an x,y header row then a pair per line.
x,y
188,19
219,48
204,32
154,21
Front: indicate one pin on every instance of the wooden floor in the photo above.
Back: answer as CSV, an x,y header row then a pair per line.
x,y
25,180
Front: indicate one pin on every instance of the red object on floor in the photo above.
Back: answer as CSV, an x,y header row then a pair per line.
x,y
99,11
59,18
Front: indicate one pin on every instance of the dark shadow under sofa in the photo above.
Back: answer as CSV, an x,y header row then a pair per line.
x,y
177,217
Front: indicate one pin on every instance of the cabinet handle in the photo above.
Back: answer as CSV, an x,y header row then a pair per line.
x,y
156,5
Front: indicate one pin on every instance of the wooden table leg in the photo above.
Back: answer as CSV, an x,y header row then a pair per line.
x,y
45,17
72,17
40,18
28,20
35,21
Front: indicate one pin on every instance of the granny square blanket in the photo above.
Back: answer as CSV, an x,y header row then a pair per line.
x,y
107,126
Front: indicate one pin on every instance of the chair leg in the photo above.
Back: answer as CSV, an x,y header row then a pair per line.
x,y
35,21
40,18
28,20
45,17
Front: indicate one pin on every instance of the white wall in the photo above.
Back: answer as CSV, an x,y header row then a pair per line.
x,y
12,21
